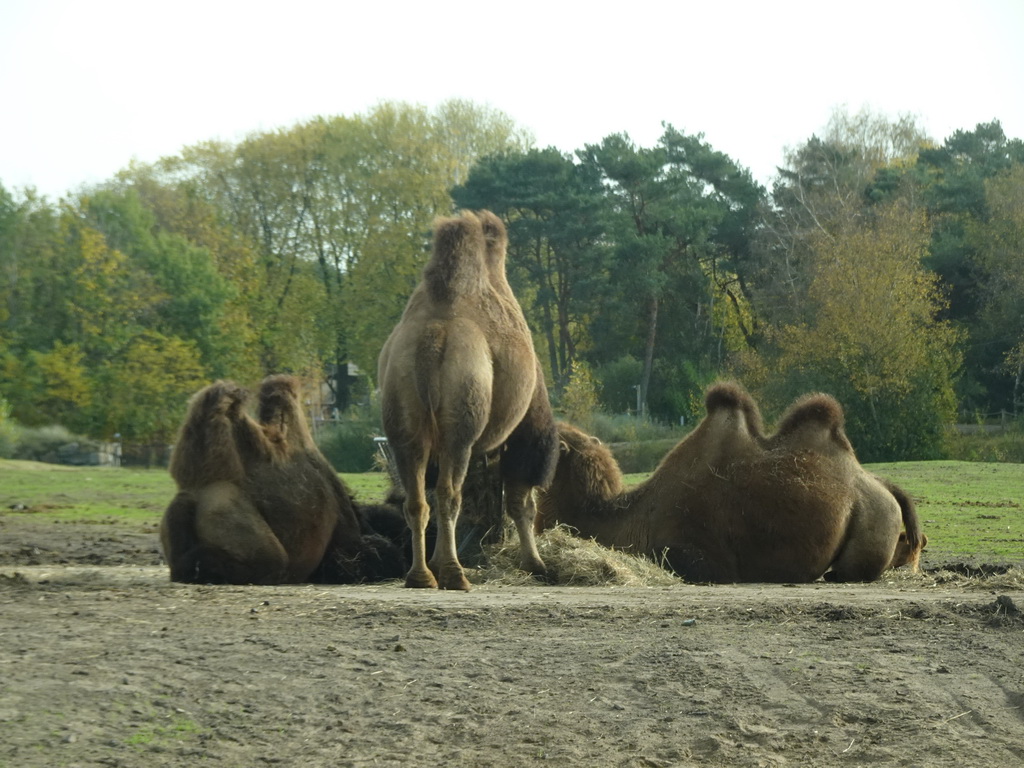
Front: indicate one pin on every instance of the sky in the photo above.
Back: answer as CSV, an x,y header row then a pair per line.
x,y
88,87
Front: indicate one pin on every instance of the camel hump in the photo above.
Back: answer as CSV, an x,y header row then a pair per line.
x,y
277,393
730,396
457,265
280,412
206,445
818,409
496,238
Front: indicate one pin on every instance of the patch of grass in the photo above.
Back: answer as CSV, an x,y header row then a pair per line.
x,y
967,509
367,486
84,493
970,511
99,494
178,729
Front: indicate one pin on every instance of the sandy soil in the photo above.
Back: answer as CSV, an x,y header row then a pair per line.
x,y
103,662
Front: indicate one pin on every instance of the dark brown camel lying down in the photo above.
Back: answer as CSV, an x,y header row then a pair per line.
x,y
729,505
258,503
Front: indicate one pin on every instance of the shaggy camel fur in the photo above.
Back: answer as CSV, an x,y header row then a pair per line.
x,y
257,501
881,509
459,377
729,505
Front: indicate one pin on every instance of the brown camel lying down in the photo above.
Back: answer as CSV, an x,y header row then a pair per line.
x,y
728,504
257,501
459,377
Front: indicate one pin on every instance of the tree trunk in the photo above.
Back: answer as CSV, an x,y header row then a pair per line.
x,y
652,334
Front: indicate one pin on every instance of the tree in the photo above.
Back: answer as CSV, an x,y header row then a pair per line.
x,y
142,392
999,246
683,214
825,180
873,338
192,296
952,182
338,211
555,214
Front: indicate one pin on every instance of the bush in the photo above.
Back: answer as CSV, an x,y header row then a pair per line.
x,y
8,431
348,443
1005,446
622,428
618,383
641,457
43,443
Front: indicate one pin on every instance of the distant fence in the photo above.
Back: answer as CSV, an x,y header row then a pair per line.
x,y
986,424
89,454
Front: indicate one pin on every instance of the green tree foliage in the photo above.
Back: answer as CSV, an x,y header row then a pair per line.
x,y
999,248
873,339
953,181
826,179
657,268
682,216
141,391
339,212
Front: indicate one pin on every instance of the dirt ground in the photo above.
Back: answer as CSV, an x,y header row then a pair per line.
x,y
104,662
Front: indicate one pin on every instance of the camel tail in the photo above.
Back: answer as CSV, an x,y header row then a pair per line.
x,y
457,265
908,511
727,395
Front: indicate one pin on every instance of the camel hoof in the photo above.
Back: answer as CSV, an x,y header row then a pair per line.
x,y
420,580
535,568
454,580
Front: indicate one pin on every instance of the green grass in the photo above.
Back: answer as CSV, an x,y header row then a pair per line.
x,y
970,511
99,493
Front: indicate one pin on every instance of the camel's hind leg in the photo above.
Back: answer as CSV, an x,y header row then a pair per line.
x,y
411,464
520,506
452,467
528,462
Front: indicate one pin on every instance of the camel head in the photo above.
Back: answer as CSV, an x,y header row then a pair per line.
x,y
586,475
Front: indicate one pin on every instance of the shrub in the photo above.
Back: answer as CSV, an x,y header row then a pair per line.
x,y
580,398
45,443
619,382
1005,446
8,431
622,428
643,456
348,443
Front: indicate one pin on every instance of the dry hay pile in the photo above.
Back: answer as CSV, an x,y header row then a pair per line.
x,y
962,575
571,561
989,577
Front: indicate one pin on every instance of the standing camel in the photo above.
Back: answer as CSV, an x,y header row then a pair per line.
x,y
459,377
